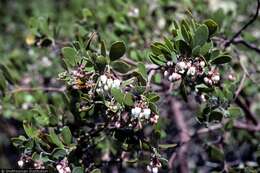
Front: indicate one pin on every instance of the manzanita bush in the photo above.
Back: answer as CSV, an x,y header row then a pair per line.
x,y
191,62
112,102
113,108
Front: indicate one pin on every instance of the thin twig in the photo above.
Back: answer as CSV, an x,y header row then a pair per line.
x,y
240,87
149,78
248,114
248,127
237,125
184,137
242,64
245,26
129,61
50,89
248,45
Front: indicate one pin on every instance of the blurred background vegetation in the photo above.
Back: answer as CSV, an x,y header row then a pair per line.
x,y
33,31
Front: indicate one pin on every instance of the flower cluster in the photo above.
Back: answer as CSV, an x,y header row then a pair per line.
x,y
78,78
38,164
106,83
63,167
154,165
142,112
191,70
24,161
137,117
20,163
212,77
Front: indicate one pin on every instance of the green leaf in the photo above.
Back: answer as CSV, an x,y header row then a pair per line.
x,y
167,146
66,135
29,144
196,50
58,153
204,88
155,49
91,37
219,93
118,95
35,156
222,59
234,111
96,171
117,50
40,115
214,53
128,99
70,56
152,97
103,48
174,33
212,26
168,43
142,70
174,57
139,90
46,42
166,52
101,62
30,131
132,161
176,25
7,74
184,91
201,35
185,34
2,83
78,170
206,48
157,78
215,153
18,141
219,16
55,139
156,60
153,107
184,48
139,77
215,116
120,66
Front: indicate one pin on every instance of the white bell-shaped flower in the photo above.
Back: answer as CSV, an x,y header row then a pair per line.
x,y
103,79
109,83
147,113
215,78
106,88
20,163
191,71
116,83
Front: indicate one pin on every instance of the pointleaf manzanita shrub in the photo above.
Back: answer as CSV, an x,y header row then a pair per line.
x,y
190,62
113,113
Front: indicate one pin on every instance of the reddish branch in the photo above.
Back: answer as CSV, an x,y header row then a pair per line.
x,y
50,89
238,33
237,125
248,114
184,138
246,126
248,45
237,40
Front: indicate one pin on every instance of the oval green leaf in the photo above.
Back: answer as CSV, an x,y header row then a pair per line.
x,y
117,50
222,59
